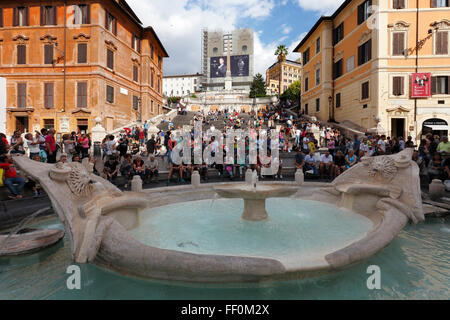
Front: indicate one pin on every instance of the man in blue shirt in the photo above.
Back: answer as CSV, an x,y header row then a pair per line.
x,y
299,160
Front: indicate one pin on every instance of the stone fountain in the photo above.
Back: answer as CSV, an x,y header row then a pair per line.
x,y
99,220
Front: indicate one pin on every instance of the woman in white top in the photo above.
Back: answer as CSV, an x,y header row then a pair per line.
x,y
69,147
33,145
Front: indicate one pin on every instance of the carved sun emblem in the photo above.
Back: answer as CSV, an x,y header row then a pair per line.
x,y
79,180
384,167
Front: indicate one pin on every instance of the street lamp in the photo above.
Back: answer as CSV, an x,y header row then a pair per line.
x,y
139,100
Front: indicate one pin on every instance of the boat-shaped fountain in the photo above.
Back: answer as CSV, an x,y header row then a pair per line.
x,y
188,234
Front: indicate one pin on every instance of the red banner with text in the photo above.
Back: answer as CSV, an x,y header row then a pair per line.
x,y
421,85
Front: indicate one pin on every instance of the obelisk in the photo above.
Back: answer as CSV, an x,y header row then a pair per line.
x,y
228,79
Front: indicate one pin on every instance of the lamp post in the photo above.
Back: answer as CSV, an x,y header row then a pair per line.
x,y
140,109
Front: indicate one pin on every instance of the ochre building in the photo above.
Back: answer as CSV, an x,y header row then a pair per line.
x,y
70,62
290,72
362,65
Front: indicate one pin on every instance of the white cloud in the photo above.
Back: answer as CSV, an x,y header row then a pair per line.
x,y
285,29
293,45
178,24
322,6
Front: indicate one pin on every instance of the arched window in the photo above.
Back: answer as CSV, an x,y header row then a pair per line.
x,y
215,50
244,48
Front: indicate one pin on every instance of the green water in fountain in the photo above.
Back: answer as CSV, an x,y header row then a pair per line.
x,y
294,230
414,266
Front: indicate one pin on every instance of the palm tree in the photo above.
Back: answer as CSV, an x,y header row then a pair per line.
x,y
281,54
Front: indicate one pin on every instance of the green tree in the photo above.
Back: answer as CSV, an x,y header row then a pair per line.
x,y
293,92
173,99
258,87
281,54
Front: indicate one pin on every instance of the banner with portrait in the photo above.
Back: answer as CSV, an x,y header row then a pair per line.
x,y
240,66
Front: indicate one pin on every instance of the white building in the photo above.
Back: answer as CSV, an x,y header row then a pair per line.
x,y
2,105
182,85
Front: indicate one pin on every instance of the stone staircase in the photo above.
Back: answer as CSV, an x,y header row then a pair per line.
x,y
187,120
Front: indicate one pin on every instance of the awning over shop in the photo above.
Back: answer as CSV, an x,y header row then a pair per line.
x,y
438,127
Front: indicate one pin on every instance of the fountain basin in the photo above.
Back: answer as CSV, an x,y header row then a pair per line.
x,y
99,220
135,255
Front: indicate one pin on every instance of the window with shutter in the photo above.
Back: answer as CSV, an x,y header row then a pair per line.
x,y
21,54
440,85
21,95
433,85
48,54
363,11
398,43
110,94
86,14
365,91
440,3
398,86
338,69
82,14
441,44
82,95
398,4
306,56
306,84
15,17
317,105
110,59
338,100
338,33
365,52
23,16
135,102
20,16
48,95
48,15
135,73
82,53
1,17
111,23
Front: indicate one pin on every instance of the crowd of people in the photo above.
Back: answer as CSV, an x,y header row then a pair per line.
x,y
320,150
41,147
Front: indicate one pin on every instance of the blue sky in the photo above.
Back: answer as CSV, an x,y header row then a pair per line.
x,y
178,24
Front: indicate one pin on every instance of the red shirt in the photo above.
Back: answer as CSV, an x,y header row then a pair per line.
x,y
10,171
51,142
141,135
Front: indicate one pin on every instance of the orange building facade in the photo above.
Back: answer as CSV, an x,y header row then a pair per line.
x,y
67,63
359,65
